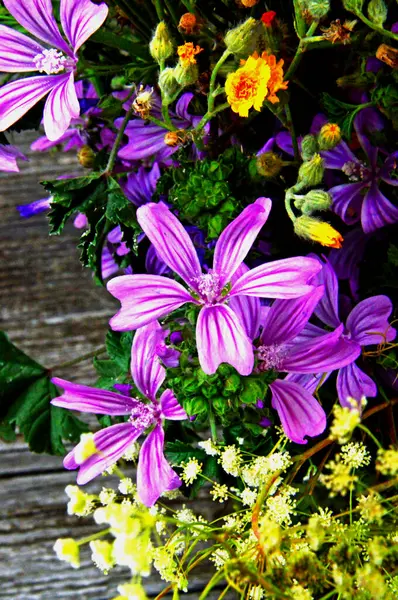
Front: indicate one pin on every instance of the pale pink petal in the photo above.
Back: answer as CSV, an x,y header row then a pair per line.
x,y
144,299
37,17
171,409
17,51
80,19
61,107
154,474
300,414
17,97
237,238
8,158
248,309
221,338
172,243
287,278
148,374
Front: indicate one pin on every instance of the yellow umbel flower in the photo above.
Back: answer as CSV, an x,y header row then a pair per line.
x,y
259,78
187,54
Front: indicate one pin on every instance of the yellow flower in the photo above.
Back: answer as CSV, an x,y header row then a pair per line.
x,y
258,78
318,231
187,54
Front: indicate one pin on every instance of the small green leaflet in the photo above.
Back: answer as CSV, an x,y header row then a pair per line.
x,y
341,113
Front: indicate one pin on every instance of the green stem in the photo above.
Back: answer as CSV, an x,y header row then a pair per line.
x,y
166,116
209,115
161,123
213,426
370,434
94,536
292,130
79,359
301,48
212,97
288,206
119,137
377,28
300,23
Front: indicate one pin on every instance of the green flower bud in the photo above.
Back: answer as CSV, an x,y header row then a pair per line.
x,y
329,136
318,8
86,156
242,40
354,6
269,164
161,45
377,12
315,200
309,147
311,172
316,230
168,85
186,75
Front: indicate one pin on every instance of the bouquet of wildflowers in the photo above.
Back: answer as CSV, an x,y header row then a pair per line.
x,y
235,187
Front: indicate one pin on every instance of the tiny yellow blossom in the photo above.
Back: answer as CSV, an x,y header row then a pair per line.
x,y
355,455
340,480
126,486
387,461
67,550
80,503
370,508
219,492
131,591
230,460
107,496
102,555
191,470
344,422
209,447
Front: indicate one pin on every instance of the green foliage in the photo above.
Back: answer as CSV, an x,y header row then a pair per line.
x,y
377,12
25,395
385,96
341,113
115,369
211,193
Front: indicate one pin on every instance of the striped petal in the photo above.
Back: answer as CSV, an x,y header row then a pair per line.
x,y
148,374
237,238
287,278
368,321
221,337
172,243
17,51
144,299
171,409
92,400
80,19
352,382
61,107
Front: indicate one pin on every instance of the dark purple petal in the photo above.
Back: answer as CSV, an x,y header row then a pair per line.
x,y
80,19
154,474
237,238
34,208
140,186
148,374
300,414
287,278
171,409
61,107
308,382
8,158
144,299
17,51
326,353
91,400
317,123
327,310
268,146
37,17
377,210
338,156
366,122
153,264
221,337
108,264
287,318
284,142
172,243
368,321
388,168
112,442
345,261
354,383
182,107
347,201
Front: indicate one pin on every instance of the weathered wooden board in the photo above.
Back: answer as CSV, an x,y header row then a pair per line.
x,y
50,307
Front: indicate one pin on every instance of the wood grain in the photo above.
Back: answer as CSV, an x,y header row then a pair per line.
x,y
50,308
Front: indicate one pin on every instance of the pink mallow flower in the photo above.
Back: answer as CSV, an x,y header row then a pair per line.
x,y
58,60
154,474
220,332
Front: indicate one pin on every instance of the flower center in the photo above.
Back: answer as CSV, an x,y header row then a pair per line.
x,y
355,171
142,416
209,286
50,61
270,357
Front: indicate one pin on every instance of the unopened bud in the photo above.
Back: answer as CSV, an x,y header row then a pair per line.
x,y
354,6
318,9
269,164
242,40
268,18
309,147
249,3
168,84
388,55
329,136
161,45
311,172
316,230
186,75
188,24
377,12
315,200
86,156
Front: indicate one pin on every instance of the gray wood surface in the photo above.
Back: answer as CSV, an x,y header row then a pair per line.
x,y
50,308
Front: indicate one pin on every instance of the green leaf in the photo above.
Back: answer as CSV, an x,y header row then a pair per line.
x,y
341,113
107,368
118,347
392,255
253,390
119,209
25,395
179,452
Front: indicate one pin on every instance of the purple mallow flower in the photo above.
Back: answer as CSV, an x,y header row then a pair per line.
x,y
154,474
279,348
220,333
366,325
9,156
21,54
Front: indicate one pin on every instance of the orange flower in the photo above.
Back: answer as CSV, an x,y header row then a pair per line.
x,y
259,78
187,54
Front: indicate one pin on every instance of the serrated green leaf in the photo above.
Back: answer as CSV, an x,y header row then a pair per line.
x,y
119,209
118,347
107,368
179,452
